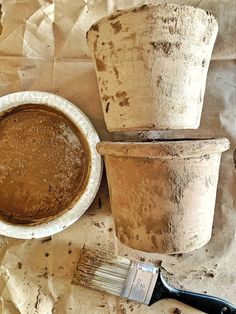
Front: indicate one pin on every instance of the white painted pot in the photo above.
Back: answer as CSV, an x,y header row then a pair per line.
x,y
151,64
80,120
163,192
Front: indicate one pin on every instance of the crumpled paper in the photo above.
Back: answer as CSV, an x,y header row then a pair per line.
x,y
43,47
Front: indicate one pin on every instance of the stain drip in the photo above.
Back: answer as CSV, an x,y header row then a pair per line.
x,y
107,107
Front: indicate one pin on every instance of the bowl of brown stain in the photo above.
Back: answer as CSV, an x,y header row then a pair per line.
x,y
50,170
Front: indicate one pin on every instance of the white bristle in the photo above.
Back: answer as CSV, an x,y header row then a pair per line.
x,y
102,271
111,278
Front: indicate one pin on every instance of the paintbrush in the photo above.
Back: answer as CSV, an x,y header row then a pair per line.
x,y
139,282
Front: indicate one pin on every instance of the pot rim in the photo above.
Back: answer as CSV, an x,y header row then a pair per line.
x,y
144,7
79,206
165,148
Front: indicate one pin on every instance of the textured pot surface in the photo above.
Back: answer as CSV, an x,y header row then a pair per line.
x,y
163,201
151,64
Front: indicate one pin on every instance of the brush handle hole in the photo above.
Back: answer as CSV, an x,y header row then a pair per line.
x,y
225,310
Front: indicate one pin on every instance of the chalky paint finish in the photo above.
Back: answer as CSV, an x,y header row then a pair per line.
x,y
163,200
151,64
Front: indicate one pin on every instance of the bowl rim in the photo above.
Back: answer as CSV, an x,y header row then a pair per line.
x,y
63,221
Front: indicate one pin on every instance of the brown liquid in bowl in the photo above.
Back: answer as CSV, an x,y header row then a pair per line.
x,y
44,164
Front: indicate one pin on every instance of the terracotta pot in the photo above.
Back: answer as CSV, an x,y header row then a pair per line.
x,y
151,64
163,193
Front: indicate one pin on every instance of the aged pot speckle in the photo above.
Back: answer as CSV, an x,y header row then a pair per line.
x,y
100,65
117,27
122,98
116,71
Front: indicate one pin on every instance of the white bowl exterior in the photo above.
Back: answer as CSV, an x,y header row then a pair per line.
x,y
85,126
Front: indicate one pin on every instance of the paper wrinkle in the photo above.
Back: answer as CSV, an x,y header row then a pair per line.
x,y
38,37
43,47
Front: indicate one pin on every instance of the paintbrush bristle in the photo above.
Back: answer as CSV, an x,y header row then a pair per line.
x,y
102,271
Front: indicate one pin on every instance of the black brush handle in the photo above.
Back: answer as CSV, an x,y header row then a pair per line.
x,y
202,302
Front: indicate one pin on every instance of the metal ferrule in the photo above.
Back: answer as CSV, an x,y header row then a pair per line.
x,y
140,282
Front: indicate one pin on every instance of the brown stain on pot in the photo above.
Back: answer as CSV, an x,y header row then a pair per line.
x,y
165,46
141,8
172,29
115,15
111,45
159,80
95,27
105,97
117,27
107,107
100,65
121,94
132,37
169,19
104,84
116,71
124,100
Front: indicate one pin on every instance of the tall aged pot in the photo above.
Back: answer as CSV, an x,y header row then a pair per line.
x,y
151,64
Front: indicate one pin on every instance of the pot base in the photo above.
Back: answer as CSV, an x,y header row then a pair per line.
x,y
146,248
